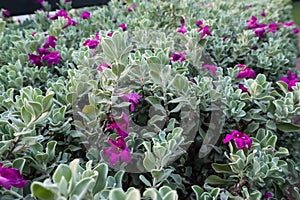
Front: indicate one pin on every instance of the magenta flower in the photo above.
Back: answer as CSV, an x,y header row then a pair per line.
x,y
117,150
92,44
43,51
110,34
40,1
296,30
35,59
123,27
70,22
97,36
103,65
246,72
243,88
85,15
268,195
132,8
241,139
133,99
288,24
66,1
272,27
34,33
182,29
205,31
253,23
11,177
121,125
199,23
211,68
52,58
260,32
178,56
263,13
50,42
291,80
6,13
60,13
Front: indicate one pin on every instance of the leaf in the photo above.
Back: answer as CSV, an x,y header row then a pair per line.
x,y
198,191
172,195
82,187
102,170
43,192
117,194
62,170
145,181
134,194
50,150
288,127
222,168
216,180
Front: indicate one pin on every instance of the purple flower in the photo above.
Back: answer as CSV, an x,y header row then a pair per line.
x,y
268,195
288,24
263,13
253,23
121,125
70,22
178,56
272,27
60,13
243,88
296,30
117,150
92,44
97,36
43,51
50,42
133,99
182,21
110,34
11,177
123,27
241,139
52,58
246,72
35,59
260,32
182,29
85,15
199,23
40,1
66,1
6,13
205,31
132,8
34,33
211,68
103,65
291,80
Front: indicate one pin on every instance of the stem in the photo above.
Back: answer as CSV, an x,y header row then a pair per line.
x,y
15,194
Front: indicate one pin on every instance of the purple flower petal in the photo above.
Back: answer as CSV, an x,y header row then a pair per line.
x,y
11,177
85,15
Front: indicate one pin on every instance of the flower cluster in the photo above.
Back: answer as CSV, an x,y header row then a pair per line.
x,y
92,43
291,80
44,54
204,29
64,14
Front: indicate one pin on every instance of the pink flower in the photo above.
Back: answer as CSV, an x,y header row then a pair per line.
x,y
34,33
182,29
52,58
288,24
43,51
291,80
246,72
205,31
85,15
66,1
121,125
117,150
6,13
40,1
123,27
63,13
51,41
110,34
133,99
97,36
263,13
103,65
272,27
260,32
35,59
92,44
178,56
253,23
211,68
11,177
296,30
241,139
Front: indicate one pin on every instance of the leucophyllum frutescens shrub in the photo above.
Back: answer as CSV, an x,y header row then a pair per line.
x,y
150,100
